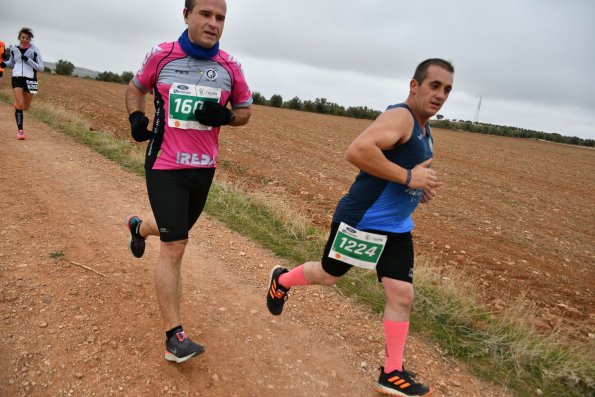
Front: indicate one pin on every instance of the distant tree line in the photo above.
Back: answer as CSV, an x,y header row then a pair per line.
x,y
323,106
66,68
492,129
123,78
319,105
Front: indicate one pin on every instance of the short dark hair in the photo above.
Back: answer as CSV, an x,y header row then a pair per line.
x,y
421,72
189,5
27,31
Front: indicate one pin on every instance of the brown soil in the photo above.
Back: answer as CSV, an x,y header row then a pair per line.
x,y
516,216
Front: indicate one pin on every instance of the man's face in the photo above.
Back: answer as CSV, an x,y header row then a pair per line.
x,y
433,92
205,22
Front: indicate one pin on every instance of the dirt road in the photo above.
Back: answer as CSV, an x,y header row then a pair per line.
x,y
96,330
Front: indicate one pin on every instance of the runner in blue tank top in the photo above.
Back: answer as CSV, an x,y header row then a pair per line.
x,y
372,224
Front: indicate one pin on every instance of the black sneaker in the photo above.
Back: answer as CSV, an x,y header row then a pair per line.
x,y
180,348
400,383
277,294
136,245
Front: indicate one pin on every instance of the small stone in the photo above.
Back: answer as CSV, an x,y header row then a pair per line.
x,y
43,325
79,375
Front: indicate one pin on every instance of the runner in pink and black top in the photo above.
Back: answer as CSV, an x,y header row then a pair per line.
x,y
182,84
192,82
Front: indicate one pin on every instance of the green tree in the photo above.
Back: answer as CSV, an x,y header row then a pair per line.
x,y
276,101
64,68
309,106
295,103
109,76
258,99
126,77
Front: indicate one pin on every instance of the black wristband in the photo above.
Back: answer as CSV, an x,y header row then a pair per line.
x,y
408,178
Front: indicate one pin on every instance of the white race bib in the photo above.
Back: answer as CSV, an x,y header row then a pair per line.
x,y
357,248
184,99
32,86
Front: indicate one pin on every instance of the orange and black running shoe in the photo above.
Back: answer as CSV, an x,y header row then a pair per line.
x,y
277,294
400,383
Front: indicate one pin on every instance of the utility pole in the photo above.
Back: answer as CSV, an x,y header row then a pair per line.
x,y
476,118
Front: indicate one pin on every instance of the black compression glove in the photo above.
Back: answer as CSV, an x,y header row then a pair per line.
x,y
24,58
214,114
2,64
138,126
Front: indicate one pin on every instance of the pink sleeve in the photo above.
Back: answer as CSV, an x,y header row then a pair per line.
x,y
145,78
240,94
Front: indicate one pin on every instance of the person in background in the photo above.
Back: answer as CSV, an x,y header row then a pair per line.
x,y
25,61
372,224
192,81
5,57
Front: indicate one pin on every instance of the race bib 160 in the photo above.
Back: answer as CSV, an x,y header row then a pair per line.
x,y
184,100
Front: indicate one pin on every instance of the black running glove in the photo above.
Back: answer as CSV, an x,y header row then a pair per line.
x,y
2,64
214,114
24,58
138,126
5,56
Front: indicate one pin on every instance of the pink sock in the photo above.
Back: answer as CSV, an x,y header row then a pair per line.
x,y
294,277
395,335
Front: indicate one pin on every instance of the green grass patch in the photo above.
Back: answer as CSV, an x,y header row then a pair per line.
x,y
56,254
503,349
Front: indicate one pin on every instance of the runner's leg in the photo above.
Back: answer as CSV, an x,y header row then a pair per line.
x,y
168,281
399,298
19,105
27,99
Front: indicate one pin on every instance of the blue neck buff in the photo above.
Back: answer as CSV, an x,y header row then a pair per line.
x,y
196,50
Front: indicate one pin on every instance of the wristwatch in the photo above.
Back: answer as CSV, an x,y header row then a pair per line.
x,y
232,118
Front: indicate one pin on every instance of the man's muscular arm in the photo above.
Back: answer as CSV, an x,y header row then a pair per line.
x,y
390,129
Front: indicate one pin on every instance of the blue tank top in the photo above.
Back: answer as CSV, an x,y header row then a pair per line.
x,y
377,204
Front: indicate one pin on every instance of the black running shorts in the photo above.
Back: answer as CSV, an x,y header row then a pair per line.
x,y
177,199
396,261
24,83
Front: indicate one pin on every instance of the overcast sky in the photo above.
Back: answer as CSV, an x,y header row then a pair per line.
x,y
531,61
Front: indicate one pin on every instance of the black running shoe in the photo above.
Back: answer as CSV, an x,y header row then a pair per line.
x,y
277,294
400,383
180,348
136,245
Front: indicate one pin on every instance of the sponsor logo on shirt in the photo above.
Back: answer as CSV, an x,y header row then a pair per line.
x,y
211,74
193,159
